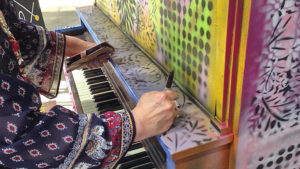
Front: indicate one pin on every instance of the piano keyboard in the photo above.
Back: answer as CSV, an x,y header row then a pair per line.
x,y
95,92
96,95
136,158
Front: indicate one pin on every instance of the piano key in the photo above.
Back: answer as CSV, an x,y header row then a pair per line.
x,y
135,146
88,105
104,96
96,79
91,74
100,90
110,108
100,85
134,155
135,162
136,152
91,71
144,166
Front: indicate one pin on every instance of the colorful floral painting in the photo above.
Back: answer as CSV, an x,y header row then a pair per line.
x,y
183,36
270,108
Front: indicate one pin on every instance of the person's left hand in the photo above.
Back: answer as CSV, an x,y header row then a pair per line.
x,y
98,62
75,46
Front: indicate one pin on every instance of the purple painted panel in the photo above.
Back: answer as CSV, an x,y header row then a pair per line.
x,y
269,135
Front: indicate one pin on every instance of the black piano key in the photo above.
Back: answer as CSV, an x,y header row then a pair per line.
x,y
133,157
99,85
144,166
92,74
135,162
135,146
110,108
99,71
104,96
108,103
100,90
96,79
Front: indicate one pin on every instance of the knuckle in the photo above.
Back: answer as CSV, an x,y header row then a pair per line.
x,y
162,96
170,105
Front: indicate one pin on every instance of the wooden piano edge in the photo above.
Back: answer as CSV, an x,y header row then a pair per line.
x,y
211,155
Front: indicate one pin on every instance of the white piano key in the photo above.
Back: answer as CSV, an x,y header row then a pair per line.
x,y
85,96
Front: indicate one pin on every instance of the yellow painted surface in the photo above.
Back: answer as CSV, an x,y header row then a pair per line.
x,y
146,34
240,77
109,7
216,80
152,34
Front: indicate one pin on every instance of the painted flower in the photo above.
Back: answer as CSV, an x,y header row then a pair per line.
x,y
68,139
8,150
60,126
29,142
17,158
21,91
17,107
12,128
42,165
52,146
45,133
59,157
5,85
34,152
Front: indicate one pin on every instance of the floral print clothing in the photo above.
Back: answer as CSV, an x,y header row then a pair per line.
x,y
30,63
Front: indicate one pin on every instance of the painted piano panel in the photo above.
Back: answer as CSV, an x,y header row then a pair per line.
x,y
186,36
269,121
191,37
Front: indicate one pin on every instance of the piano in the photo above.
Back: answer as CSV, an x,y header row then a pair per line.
x,y
191,143
236,69
92,92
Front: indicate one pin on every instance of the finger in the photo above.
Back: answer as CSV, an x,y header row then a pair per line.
x,y
105,60
97,64
104,56
171,94
91,65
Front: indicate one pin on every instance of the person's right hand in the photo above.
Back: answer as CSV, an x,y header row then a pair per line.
x,y
154,113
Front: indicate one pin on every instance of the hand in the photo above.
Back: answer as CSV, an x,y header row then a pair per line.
x,y
99,54
91,58
75,45
98,62
154,113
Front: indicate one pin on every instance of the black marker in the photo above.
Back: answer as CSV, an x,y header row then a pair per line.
x,y
170,80
168,86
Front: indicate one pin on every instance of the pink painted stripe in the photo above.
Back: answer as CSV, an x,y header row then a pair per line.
x,y
237,40
230,26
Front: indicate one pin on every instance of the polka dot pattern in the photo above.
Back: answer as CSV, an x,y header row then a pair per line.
x,y
284,157
184,42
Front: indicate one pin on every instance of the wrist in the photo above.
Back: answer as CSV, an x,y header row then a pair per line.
x,y
139,127
76,45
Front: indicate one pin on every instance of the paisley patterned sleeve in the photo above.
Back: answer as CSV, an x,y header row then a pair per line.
x,y
42,51
59,138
